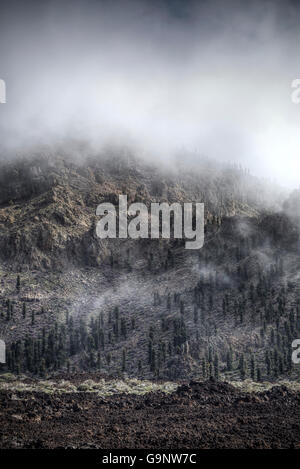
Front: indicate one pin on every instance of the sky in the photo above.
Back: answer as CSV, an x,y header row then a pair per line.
x,y
211,77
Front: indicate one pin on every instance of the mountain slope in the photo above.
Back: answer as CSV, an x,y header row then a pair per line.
x,y
148,308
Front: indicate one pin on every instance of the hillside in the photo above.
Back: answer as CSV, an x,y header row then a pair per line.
x,y
146,308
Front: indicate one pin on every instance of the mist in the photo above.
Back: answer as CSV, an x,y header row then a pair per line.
x,y
211,77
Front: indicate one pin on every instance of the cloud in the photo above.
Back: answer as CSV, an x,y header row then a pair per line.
x,y
211,76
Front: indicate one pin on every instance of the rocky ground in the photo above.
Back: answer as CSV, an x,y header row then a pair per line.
x,y
196,415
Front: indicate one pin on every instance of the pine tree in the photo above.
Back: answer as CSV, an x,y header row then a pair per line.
x,y
18,283
258,377
216,366
153,361
99,360
268,363
229,359
242,366
123,360
252,367
123,328
8,310
43,367
196,316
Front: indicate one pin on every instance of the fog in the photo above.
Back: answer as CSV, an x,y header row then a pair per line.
x,y
211,77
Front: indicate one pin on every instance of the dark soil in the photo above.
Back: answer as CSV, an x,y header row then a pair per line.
x,y
198,415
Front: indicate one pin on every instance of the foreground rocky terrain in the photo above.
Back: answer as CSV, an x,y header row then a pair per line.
x,y
196,415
